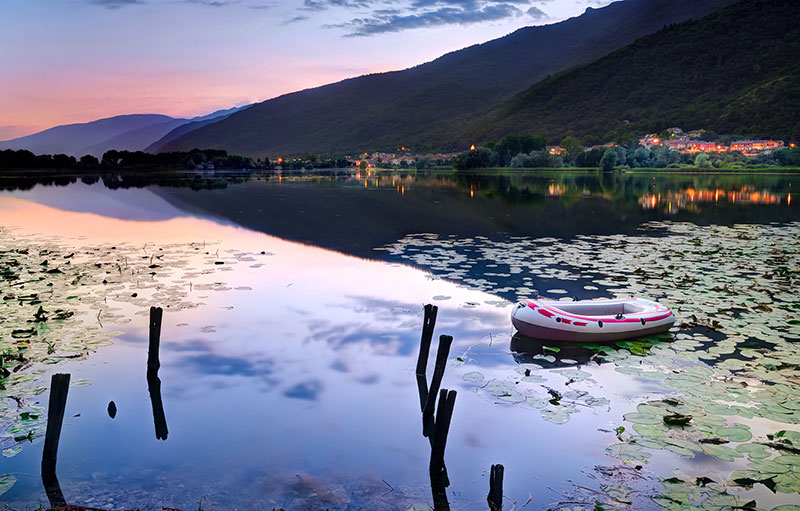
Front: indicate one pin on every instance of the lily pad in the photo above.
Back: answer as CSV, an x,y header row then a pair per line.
x,y
474,377
6,482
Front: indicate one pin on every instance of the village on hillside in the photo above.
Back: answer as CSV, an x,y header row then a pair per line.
x,y
692,144
674,139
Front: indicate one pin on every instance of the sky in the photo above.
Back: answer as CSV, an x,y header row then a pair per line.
x,y
67,61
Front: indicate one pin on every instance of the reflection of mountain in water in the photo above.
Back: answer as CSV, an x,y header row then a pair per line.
x,y
356,215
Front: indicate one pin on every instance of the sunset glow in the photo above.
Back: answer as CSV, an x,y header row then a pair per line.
x,y
195,57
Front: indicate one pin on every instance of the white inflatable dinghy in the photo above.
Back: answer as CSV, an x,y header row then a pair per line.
x,y
591,320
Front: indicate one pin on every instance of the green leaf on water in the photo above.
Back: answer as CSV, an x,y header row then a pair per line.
x,y
6,482
754,451
738,433
643,418
474,376
721,451
10,452
627,452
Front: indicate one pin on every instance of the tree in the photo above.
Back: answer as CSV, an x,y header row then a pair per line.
x,y
475,159
702,161
88,161
641,157
609,160
363,165
572,145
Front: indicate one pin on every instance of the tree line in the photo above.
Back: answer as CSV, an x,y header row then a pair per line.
x,y
529,151
128,160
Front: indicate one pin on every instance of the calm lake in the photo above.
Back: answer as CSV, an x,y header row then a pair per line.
x,y
293,308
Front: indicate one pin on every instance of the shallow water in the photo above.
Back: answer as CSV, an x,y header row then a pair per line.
x,y
293,310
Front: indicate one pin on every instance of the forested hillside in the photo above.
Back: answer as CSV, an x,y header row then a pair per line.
x,y
734,71
425,107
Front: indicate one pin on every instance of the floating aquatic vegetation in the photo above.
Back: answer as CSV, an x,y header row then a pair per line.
x,y
56,298
6,482
728,369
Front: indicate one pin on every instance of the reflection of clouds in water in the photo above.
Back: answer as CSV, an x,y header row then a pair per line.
x,y
309,390
212,369
213,364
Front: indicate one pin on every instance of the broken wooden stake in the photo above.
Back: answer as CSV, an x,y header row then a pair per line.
x,y
495,497
444,412
153,381
159,419
153,364
59,388
428,325
438,372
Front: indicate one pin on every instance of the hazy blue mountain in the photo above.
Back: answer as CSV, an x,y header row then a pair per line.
x,y
420,107
73,138
133,140
197,122
123,132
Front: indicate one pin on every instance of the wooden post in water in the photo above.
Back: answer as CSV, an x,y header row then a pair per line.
x,y
495,497
428,325
153,364
438,372
159,419
59,387
153,381
438,474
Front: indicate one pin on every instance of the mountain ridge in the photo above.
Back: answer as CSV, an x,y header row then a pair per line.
x,y
726,72
418,106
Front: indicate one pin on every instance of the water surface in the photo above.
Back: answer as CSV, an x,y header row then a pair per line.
x,y
293,309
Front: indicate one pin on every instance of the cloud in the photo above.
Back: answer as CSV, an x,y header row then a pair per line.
x,y
296,19
321,5
257,5
536,13
116,4
308,390
464,14
212,3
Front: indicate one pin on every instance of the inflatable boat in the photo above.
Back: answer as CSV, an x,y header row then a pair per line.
x,y
591,320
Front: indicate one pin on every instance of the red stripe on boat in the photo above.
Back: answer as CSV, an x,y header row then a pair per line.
x,y
565,320
579,323
547,313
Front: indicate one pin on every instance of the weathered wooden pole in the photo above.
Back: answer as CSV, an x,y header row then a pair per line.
x,y
153,364
438,372
495,497
422,389
428,324
59,388
153,381
159,419
438,474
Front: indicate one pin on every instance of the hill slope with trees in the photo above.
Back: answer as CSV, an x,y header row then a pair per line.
x,y
733,71
419,107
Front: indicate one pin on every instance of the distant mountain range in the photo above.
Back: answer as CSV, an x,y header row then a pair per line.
x,y
735,71
425,106
134,132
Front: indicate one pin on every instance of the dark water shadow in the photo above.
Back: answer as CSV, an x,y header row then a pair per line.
x,y
524,350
